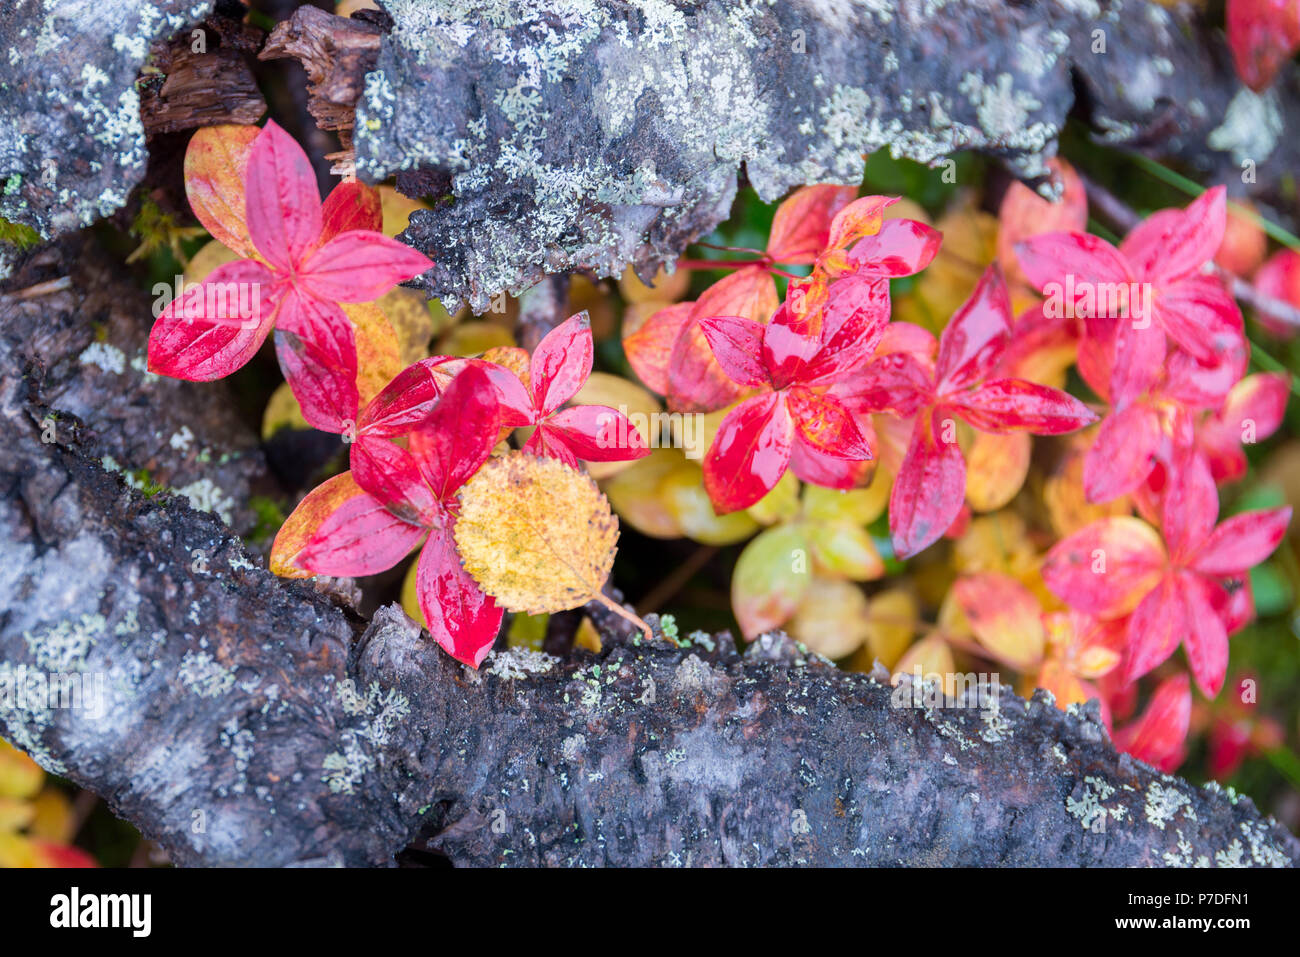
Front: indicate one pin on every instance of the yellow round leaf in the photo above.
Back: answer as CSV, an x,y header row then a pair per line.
x,y
535,534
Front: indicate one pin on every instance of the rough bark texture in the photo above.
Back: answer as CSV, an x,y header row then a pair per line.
x,y
70,305
246,719
588,134
74,143
186,88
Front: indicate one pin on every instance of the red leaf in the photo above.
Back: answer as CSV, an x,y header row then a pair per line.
x,y
1262,34
360,266
404,403
1003,405
749,454
596,433
561,363
737,344
459,434
853,323
1242,542
391,474
1190,504
200,352
1157,737
1200,315
929,489
1047,259
326,390
802,224
1157,626
323,324
351,205
1206,640
1121,458
462,618
360,537
242,293
902,247
1106,568
1139,358
975,337
283,205
825,426
1175,243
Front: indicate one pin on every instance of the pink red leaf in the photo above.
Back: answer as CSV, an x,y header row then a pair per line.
x,y
325,389
462,618
973,340
1189,504
596,433
823,424
391,474
1242,542
737,344
929,489
201,352
902,247
282,202
853,323
359,266
1262,34
1174,243
749,454
459,433
1201,317
1139,358
1048,259
561,363
1156,627
1157,736
1206,640
1003,405
1106,568
241,293
404,403
360,537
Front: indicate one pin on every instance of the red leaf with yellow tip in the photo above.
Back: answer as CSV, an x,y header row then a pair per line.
x,y
801,225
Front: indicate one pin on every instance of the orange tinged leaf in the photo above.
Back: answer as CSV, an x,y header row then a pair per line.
x,y
302,524
858,219
696,382
379,357
996,466
216,165
650,347
1004,617
802,224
